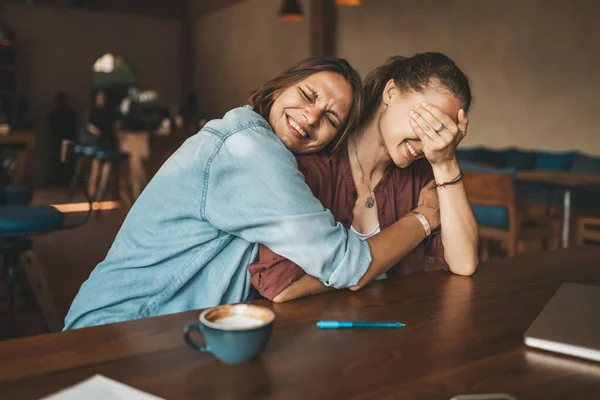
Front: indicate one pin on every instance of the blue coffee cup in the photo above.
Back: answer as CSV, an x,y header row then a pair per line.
x,y
233,333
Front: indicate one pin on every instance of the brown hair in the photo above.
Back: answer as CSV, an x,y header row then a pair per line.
x,y
263,98
415,73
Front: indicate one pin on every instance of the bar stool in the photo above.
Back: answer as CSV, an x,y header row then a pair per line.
x,y
18,223
17,195
114,164
84,156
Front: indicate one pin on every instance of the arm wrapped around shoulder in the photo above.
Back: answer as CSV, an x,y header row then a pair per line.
x,y
256,192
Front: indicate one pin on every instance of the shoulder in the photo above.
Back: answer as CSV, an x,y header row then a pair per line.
x,y
318,171
318,163
243,133
243,140
237,120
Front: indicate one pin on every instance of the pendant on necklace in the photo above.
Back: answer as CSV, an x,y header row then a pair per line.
x,y
370,201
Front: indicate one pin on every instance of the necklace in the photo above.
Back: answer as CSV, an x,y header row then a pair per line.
x,y
370,200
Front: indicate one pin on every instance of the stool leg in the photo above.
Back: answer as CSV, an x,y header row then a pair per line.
x,y
106,169
38,279
93,182
11,272
77,176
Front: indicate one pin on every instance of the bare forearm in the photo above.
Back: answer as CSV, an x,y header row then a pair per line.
x,y
386,251
305,286
459,228
390,246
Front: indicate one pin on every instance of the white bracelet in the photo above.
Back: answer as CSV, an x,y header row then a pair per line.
x,y
423,221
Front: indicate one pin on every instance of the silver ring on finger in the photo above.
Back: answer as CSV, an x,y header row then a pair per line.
x,y
441,128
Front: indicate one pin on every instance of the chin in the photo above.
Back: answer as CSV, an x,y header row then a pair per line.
x,y
401,161
293,147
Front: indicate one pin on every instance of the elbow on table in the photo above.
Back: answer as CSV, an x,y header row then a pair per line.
x,y
465,268
269,294
280,298
356,287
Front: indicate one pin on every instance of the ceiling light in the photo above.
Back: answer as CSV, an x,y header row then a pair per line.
x,y
291,11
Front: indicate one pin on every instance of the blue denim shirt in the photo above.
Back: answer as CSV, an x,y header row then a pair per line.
x,y
189,238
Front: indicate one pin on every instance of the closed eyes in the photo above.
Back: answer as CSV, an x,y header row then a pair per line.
x,y
312,98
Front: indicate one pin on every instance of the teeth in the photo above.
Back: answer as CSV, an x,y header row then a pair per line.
x,y
297,127
411,149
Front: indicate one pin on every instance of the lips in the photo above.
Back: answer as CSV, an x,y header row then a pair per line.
x,y
296,129
411,152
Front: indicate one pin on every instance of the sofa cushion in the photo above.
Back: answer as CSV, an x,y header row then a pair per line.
x,y
553,161
520,159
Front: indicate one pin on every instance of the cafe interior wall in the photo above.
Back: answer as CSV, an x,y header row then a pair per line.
x,y
238,48
56,51
533,64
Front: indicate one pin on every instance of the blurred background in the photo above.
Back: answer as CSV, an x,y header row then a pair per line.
x,y
129,80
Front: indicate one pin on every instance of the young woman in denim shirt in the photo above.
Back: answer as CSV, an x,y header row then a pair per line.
x,y
189,238
413,119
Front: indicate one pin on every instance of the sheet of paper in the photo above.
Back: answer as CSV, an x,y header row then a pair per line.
x,y
99,387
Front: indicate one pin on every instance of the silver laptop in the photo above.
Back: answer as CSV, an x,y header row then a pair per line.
x,y
570,323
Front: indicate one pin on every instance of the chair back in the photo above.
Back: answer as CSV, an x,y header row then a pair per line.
x,y
588,230
491,193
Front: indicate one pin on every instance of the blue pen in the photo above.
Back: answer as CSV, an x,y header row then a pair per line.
x,y
355,324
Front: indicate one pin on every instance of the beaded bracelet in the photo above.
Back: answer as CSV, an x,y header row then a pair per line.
x,y
452,182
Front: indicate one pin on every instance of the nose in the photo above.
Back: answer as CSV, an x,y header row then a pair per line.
x,y
312,115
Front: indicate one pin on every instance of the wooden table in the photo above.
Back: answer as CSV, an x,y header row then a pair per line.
x,y
463,335
563,179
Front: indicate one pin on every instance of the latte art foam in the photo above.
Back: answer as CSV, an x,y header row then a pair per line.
x,y
238,321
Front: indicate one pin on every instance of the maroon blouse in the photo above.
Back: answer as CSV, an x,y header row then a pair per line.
x,y
330,180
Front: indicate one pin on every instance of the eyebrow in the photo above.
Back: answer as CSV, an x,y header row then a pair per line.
x,y
332,112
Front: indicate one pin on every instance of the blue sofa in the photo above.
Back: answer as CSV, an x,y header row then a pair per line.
x,y
584,201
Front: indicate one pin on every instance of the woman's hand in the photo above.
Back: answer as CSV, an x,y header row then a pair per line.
x,y
438,133
429,204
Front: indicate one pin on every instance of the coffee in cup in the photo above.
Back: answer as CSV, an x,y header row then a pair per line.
x,y
234,333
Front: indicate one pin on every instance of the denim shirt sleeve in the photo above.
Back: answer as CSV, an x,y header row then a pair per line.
x,y
255,191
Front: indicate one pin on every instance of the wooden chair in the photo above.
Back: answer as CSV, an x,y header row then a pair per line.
x,y
491,192
588,230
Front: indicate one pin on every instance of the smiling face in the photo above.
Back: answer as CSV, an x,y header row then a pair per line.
x,y
397,136
307,115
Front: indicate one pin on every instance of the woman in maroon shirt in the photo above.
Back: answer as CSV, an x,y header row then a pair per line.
x,y
414,117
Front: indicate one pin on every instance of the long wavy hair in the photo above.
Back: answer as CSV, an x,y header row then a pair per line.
x,y
262,99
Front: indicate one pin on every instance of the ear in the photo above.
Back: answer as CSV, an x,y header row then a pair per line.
x,y
389,92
